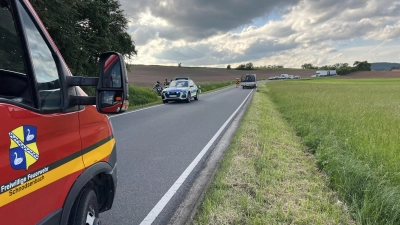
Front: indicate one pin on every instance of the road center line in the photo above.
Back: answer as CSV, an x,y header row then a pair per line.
x,y
178,183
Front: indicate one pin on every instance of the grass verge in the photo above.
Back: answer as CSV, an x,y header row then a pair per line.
x,y
212,86
266,177
352,127
140,96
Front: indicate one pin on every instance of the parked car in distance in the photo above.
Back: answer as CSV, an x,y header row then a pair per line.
x,y
284,76
297,77
181,89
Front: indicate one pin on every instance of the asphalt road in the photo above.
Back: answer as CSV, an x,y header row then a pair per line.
x,y
156,145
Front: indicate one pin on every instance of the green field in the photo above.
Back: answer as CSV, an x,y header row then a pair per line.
x,y
267,177
353,128
211,86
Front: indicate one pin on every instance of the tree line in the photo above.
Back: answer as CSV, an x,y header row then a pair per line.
x,y
82,30
341,68
250,66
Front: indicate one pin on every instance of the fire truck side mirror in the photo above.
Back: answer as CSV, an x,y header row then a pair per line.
x,y
112,90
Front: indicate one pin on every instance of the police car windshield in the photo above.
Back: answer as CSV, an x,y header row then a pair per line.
x,y
179,83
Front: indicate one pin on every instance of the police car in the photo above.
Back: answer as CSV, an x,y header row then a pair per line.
x,y
181,89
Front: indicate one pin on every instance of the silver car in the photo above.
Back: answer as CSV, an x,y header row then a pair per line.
x,y
181,89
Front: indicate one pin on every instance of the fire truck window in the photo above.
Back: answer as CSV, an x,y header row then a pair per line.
x,y
13,80
44,65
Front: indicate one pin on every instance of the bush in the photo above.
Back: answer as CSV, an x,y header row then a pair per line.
x,y
209,86
142,95
345,70
247,66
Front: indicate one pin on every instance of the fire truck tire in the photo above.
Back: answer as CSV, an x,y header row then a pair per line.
x,y
85,209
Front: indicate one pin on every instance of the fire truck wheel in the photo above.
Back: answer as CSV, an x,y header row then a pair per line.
x,y
86,209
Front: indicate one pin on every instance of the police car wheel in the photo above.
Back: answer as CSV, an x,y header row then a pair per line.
x,y
165,101
188,98
197,96
87,209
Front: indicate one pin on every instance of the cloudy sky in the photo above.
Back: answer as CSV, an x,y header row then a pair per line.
x,y
216,33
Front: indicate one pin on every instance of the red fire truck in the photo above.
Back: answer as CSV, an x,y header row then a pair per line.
x,y
58,159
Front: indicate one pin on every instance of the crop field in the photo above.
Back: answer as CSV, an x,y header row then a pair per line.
x,y
267,177
142,75
353,128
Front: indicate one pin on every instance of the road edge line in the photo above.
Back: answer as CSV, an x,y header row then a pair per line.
x,y
188,208
153,214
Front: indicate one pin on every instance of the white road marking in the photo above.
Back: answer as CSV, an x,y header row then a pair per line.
x,y
126,113
174,188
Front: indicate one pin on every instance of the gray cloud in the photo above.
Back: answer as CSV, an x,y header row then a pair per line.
x,y
268,47
142,35
197,32
198,19
180,54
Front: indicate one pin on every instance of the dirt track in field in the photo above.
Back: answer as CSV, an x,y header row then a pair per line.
x,y
372,74
148,75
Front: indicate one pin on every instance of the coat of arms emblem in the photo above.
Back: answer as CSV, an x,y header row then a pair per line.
x,y
23,149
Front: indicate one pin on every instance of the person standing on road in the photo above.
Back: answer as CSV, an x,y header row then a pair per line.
x,y
166,82
237,82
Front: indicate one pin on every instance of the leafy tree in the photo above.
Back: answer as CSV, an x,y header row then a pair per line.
x,y
241,67
308,66
82,30
228,67
249,66
327,67
362,66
